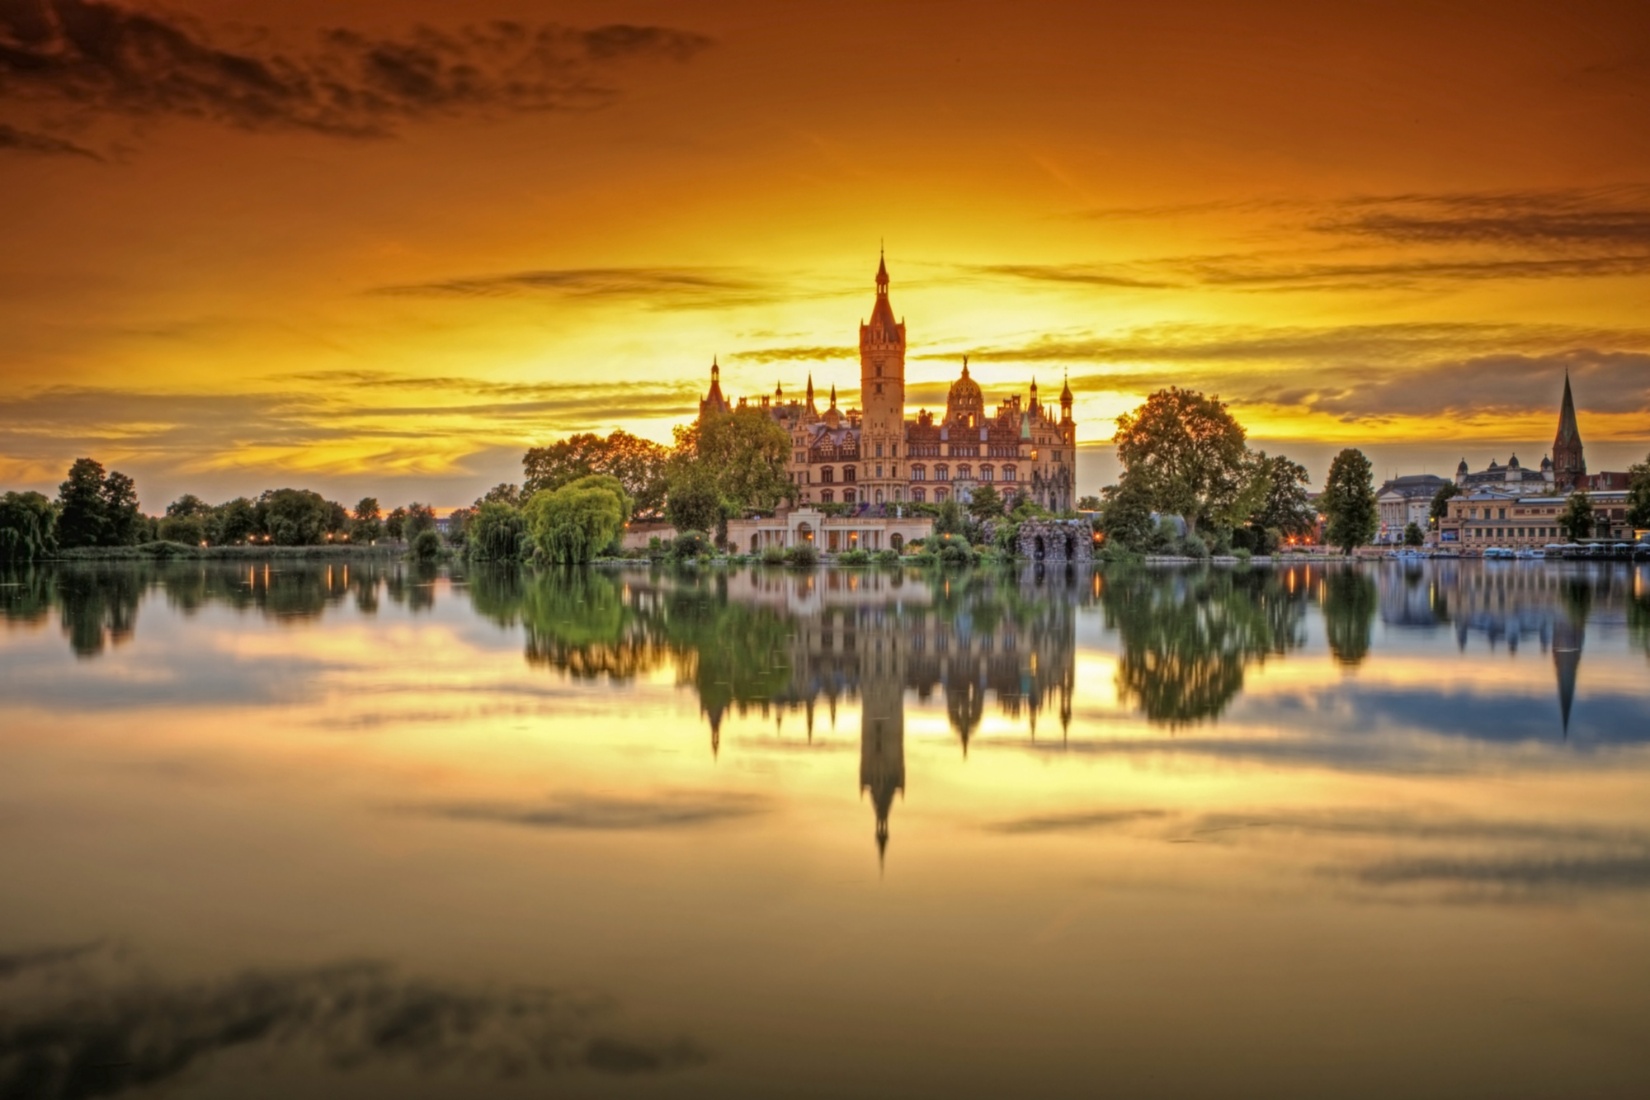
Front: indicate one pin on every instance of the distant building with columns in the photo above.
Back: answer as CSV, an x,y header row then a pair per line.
x,y
877,458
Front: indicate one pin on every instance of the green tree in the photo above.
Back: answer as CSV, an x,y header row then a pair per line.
x,y
82,515
369,521
1187,454
1349,501
693,502
396,523
419,518
1638,494
1285,505
293,517
1088,503
124,525
232,522
189,505
1349,605
502,493
1414,536
1578,520
746,452
497,532
985,503
1126,518
573,524
639,465
1440,501
27,527
188,528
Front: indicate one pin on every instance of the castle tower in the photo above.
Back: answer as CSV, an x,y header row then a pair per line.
x,y
1569,463
882,400
713,403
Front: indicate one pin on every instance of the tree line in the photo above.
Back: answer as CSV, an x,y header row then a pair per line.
x,y
97,508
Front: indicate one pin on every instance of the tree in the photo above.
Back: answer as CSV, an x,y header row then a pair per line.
x,y
396,523
293,517
497,532
573,524
1577,520
1413,535
1088,503
82,515
231,522
638,464
1187,454
1349,501
1285,505
1440,501
1126,518
746,451
985,503
124,525
458,525
367,509
189,505
1350,602
693,502
1638,494
369,521
27,527
419,518
502,493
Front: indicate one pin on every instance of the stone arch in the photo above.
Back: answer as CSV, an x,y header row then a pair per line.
x,y
896,542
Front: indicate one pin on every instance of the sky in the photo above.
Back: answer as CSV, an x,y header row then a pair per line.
x,y
381,248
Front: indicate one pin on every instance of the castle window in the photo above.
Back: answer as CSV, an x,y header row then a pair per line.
x,y
964,472
942,472
918,496
848,474
919,473
1008,473
940,496
847,496
985,473
827,475
879,450
827,497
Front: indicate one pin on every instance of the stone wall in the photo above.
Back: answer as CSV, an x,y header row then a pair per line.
x,y
1057,541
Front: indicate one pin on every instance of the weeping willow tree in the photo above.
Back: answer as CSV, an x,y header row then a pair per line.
x,y
26,527
498,532
577,522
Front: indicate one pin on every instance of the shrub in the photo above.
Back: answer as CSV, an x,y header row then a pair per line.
x,y
887,557
802,554
1193,546
773,555
1243,553
691,545
427,546
856,556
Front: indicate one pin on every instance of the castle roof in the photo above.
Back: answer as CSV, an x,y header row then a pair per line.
x,y
1569,435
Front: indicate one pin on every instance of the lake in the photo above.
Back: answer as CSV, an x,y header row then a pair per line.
x,y
367,830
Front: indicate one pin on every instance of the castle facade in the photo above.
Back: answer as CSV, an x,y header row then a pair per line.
x,y
876,458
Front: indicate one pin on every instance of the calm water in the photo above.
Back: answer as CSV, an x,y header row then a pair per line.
x,y
375,832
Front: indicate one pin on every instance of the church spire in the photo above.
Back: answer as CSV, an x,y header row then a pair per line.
x,y
882,273
1569,459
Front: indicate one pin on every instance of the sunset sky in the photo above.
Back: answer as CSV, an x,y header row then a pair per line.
x,y
375,247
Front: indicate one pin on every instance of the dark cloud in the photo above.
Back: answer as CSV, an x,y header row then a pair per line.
x,y
594,812
653,287
1102,275
114,1037
18,141
1538,873
1610,217
1074,822
798,354
101,58
18,962
1408,274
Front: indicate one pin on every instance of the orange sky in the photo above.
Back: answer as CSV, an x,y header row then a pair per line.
x,y
375,247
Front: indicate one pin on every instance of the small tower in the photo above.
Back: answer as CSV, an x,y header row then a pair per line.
x,y
713,402
1065,401
1569,461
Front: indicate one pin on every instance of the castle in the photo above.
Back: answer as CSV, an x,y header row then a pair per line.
x,y
876,458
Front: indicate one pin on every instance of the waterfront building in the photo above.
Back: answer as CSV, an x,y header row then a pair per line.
x,y
1486,518
1403,501
876,459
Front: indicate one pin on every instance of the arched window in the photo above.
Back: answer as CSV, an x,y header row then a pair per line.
x,y
964,472
940,495
942,472
827,497
985,473
919,473
847,496
848,474
879,496
918,496
1008,473
827,475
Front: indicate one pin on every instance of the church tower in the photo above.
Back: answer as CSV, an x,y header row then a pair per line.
x,y
882,400
1569,463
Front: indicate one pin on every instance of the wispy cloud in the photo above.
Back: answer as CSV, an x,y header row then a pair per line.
x,y
651,287
102,58
21,141
670,810
807,353
1560,218
1083,821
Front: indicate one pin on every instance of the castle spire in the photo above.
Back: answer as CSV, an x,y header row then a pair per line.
x,y
1569,459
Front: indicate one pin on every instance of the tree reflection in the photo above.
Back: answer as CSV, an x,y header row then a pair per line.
x,y
1350,602
1188,637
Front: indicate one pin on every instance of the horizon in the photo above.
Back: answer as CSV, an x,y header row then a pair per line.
x,y
1394,231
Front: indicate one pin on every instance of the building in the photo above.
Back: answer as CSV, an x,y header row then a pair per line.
x,y
876,458
1486,518
1406,500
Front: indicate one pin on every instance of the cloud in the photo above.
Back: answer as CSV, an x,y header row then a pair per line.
x,y
101,58
799,354
1103,275
15,963
1073,822
1541,873
594,812
18,141
1610,217
115,1036
654,287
